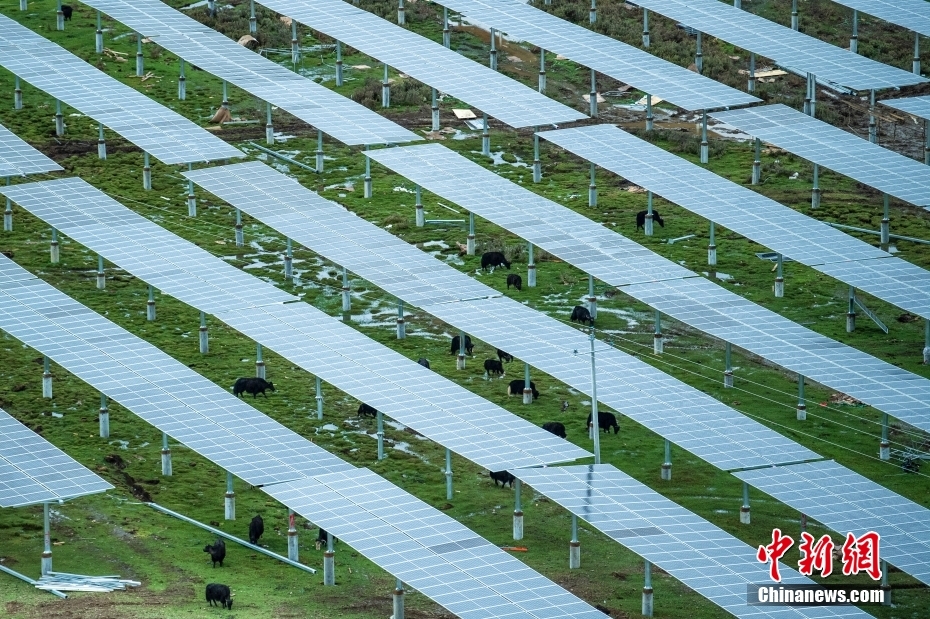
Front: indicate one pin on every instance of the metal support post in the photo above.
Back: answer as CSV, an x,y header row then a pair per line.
x,y
667,465
854,39
448,473
915,67
182,81
886,588
794,14
751,86
649,117
728,371
23,5
592,107
704,145
8,212
225,95
815,191
446,34
204,340
435,110
851,311
398,592
530,267
873,130
230,499
699,53
240,237
269,128
17,95
744,509
101,274
101,142
140,69
54,249
757,162
289,261
647,590
493,59
401,325
380,435
470,241
46,537
926,350
460,360
98,36
59,119
527,385
592,14
592,298
367,174
329,562
485,136
400,12
648,224
595,423
657,343
385,89
259,362
574,546
926,142
517,511
46,379
645,27
319,398
807,95
293,550
59,18
165,456
338,63
104,416
295,44
191,198
884,448
146,172
346,292
542,71
779,277
712,248
537,164
886,223
421,216
592,189
150,305
802,403
253,23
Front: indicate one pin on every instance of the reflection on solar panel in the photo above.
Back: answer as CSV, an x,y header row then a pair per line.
x,y
785,46
849,503
429,62
19,159
911,14
750,214
167,135
833,148
342,118
421,399
700,554
157,388
697,301
918,106
699,424
32,470
623,62
430,551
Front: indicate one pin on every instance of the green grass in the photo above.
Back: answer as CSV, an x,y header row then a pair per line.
x,y
115,534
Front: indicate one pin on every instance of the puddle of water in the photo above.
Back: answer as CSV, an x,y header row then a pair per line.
x,y
404,190
122,444
497,158
723,276
439,244
627,315
462,135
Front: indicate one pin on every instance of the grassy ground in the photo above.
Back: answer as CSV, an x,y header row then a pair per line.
x,y
116,534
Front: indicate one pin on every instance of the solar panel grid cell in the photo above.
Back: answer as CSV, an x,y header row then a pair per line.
x,y
17,158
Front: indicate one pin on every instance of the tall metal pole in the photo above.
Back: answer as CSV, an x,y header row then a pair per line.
x,y
47,542
854,40
448,474
319,398
594,421
794,14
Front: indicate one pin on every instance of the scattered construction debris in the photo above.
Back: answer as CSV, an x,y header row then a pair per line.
x,y
61,581
114,55
463,114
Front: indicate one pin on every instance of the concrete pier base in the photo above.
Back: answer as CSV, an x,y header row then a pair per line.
x,y
574,555
230,506
470,245
54,252
884,450
802,412
166,462
657,344
398,606
204,338
527,396
712,255
46,562
744,514
518,525
329,568
293,551
647,601
104,416
850,322
779,287
666,473
460,362
46,382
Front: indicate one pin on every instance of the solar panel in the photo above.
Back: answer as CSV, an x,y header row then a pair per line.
x,y
433,553
703,556
785,46
338,116
708,307
32,470
429,62
833,148
166,135
638,390
19,159
917,106
347,359
623,62
911,14
760,219
849,503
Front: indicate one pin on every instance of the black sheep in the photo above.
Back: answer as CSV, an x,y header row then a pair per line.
x,y
219,595
217,551
256,529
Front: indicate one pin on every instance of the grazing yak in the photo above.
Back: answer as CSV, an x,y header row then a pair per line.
x,y
641,219
454,348
605,422
504,356
253,386
217,551
503,477
219,595
516,388
582,315
256,529
493,366
516,281
367,411
493,259
556,428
